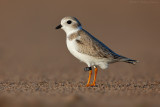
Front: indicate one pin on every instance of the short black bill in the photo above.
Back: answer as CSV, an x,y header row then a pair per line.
x,y
59,26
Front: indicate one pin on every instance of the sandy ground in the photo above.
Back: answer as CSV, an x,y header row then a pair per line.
x,y
36,68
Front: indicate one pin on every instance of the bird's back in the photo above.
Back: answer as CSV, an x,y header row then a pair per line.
x,y
90,45
108,53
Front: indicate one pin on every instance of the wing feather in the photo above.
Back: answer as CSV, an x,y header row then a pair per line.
x,y
90,45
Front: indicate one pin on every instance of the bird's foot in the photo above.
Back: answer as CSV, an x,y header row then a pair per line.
x,y
90,85
93,84
87,85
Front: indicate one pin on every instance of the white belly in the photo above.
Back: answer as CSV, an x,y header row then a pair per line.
x,y
89,60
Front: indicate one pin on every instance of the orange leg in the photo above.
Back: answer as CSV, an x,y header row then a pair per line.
x,y
95,75
89,78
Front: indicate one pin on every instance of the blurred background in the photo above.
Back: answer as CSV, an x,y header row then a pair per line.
x,y
32,51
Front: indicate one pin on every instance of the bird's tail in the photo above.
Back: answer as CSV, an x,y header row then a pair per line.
x,y
128,60
125,59
131,61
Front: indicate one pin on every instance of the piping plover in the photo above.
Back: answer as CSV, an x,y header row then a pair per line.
x,y
88,49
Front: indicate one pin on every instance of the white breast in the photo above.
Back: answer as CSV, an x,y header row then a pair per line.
x,y
72,47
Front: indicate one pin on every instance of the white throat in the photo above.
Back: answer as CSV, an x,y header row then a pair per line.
x,y
70,30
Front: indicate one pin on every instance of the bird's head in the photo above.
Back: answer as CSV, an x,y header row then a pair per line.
x,y
69,25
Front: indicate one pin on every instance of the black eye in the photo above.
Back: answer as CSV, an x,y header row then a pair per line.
x,y
69,21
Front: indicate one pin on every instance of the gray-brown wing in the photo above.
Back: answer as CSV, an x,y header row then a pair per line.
x,y
90,45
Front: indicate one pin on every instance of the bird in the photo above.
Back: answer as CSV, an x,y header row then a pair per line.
x,y
89,49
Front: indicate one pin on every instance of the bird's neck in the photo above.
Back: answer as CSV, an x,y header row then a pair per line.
x,y
70,31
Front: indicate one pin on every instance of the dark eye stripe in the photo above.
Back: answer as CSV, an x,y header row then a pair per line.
x,y
69,21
